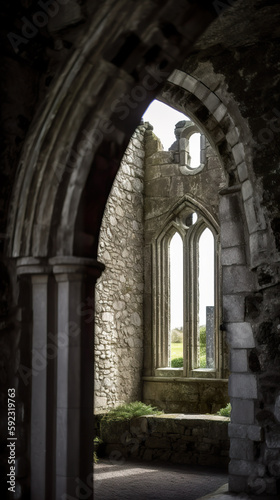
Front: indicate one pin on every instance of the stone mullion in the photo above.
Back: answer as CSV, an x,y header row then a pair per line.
x,y
165,280
219,343
194,261
187,334
156,309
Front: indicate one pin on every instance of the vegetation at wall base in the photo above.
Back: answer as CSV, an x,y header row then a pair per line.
x,y
225,412
130,410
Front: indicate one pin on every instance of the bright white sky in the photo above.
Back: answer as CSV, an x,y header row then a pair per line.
x,y
163,118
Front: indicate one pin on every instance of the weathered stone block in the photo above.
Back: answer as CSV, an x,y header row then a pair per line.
x,y
238,279
212,102
242,171
189,83
229,207
240,335
232,234
233,308
245,468
255,433
251,216
233,136
233,255
238,360
247,190
241,449
178,77
243,386
238,153
237,430
201,92
220,113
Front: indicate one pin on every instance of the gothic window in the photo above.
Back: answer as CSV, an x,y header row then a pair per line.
x,y
189,148
187,293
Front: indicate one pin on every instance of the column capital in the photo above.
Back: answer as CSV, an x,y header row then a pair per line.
x,y
60,265
76,265
33,265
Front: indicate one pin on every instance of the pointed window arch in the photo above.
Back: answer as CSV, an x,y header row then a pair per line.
x,y
186,251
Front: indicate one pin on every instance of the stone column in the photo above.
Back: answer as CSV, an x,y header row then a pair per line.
x,y
238,282
39,275
76,279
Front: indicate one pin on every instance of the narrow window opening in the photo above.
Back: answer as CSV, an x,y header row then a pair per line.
x,y
206,301
194,150
176,301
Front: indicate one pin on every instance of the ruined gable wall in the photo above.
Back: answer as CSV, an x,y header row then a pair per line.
x,y
119,292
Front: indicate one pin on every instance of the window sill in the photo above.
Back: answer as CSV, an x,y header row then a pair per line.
x,y
179,372
204,373
169,372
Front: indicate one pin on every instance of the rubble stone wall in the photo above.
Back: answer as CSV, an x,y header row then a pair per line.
x,y
119,292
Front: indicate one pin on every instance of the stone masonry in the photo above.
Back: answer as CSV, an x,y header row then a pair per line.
x,y
187,439
119,292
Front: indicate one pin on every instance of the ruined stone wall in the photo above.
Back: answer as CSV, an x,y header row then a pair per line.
x,y
166,185
186,439
119,292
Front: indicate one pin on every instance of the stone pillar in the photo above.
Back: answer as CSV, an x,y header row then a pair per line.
x,y
239,282
39,386
76,279
39,275
61,375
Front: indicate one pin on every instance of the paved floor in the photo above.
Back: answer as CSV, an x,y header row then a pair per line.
x,y
150,481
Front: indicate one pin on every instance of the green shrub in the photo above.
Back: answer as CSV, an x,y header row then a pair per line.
x,y
225,412
130,410
177,363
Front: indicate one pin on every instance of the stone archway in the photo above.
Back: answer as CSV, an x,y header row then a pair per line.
x,y
245,235
67,167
